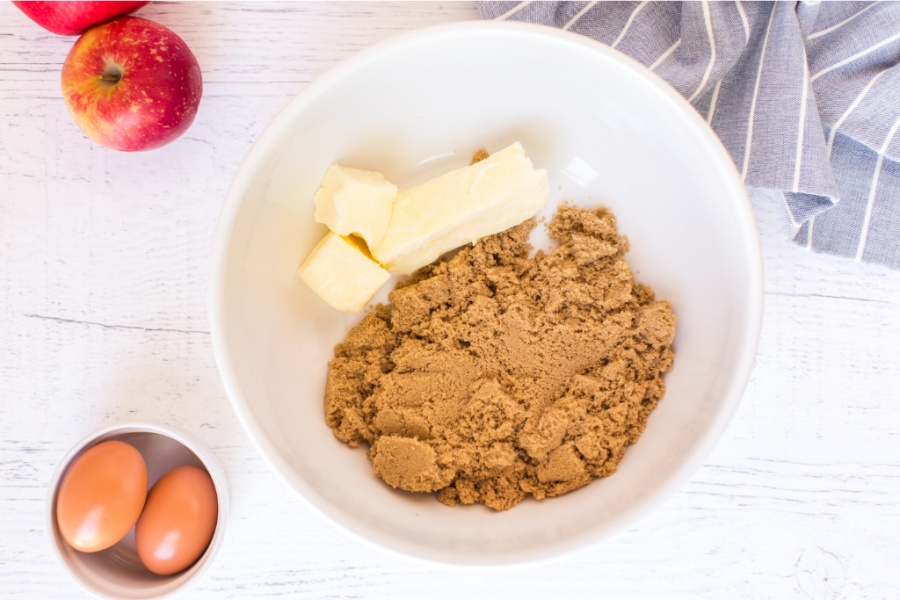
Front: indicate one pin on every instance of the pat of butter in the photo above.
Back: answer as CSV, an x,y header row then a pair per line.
x,y
341,271
461,207
353,201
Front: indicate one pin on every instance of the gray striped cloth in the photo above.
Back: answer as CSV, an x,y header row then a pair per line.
x,y
805,96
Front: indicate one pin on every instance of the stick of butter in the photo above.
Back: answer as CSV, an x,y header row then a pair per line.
x,y
353,201
341,271
459,208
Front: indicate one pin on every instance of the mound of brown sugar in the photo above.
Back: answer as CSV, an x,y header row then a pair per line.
x,y
492,375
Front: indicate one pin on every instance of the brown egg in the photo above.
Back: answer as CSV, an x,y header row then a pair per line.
x,y
178,521
101,496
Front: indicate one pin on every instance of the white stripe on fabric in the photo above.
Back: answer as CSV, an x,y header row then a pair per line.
x,y
712,50
513,10
850,109
868,50
819,34
666,54
832,133
579,14
865,227
788,209
634,13
801,127
712,103
743,14
762,56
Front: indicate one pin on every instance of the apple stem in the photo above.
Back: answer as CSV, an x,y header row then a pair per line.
x,y
112,74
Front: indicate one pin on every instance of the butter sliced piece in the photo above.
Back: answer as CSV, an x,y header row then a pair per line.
x,y
461,207
342,273
353,201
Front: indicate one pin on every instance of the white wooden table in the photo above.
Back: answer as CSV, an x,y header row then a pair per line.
x,y
103,281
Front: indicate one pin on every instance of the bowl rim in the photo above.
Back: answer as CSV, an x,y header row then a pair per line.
x,y
404,42
203,453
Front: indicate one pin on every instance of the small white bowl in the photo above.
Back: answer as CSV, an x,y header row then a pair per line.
x,y
117,572
609,132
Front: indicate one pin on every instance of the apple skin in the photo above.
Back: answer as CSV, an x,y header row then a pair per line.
x,y
72,18
131,84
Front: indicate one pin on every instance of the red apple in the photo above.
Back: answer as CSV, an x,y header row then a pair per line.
x,y
71,18
131,84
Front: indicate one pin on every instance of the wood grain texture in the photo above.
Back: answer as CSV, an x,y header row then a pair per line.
x,y
103,275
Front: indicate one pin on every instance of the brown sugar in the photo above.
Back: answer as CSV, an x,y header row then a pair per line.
x,y
493,375
479,156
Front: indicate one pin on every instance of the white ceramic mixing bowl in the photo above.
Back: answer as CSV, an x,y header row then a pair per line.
x,y
608,131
